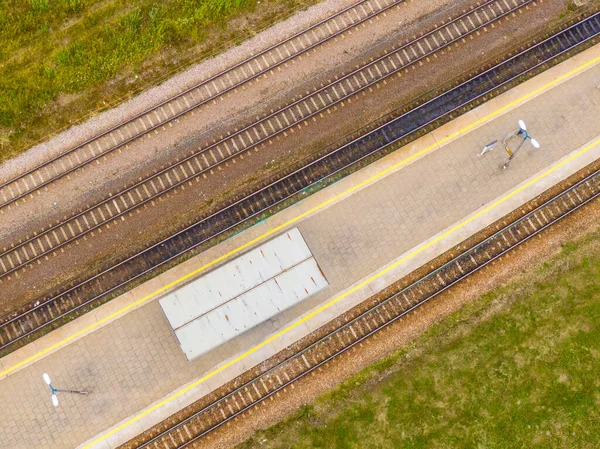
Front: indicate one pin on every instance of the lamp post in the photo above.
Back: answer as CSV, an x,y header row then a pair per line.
x,y
488,147
521,131
56,390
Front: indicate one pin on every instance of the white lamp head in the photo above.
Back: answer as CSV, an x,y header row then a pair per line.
x,y
535,143
55,400
522,125
46,378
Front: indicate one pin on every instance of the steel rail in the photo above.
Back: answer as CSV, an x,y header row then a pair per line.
x,y
289,176
379,306
185,92
180,163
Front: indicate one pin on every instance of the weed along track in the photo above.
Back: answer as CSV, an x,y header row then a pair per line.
x,y
206,160
52,311
353,328
211,89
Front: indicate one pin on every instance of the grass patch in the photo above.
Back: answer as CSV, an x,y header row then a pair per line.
x,y
518,368
63,60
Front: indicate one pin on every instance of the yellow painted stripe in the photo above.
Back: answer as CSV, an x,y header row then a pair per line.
x,y
300,217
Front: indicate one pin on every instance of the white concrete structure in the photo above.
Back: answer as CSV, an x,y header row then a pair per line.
x,y
243,293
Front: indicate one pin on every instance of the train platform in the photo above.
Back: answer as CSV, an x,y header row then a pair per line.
x,y
364,232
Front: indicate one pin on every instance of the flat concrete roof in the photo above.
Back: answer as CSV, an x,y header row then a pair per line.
x,y
243,293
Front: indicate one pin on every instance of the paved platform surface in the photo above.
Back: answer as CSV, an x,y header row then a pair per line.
x,y
135,361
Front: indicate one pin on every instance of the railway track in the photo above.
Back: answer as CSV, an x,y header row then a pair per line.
x,y
381,315
190,99
207,159
49,312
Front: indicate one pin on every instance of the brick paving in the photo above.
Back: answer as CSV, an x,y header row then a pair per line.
x,y
135,360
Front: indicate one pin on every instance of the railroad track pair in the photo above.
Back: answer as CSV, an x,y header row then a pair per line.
x,y
207,159
52,310
356,330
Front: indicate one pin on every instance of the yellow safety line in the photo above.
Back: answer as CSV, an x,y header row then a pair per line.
x,y
298,218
